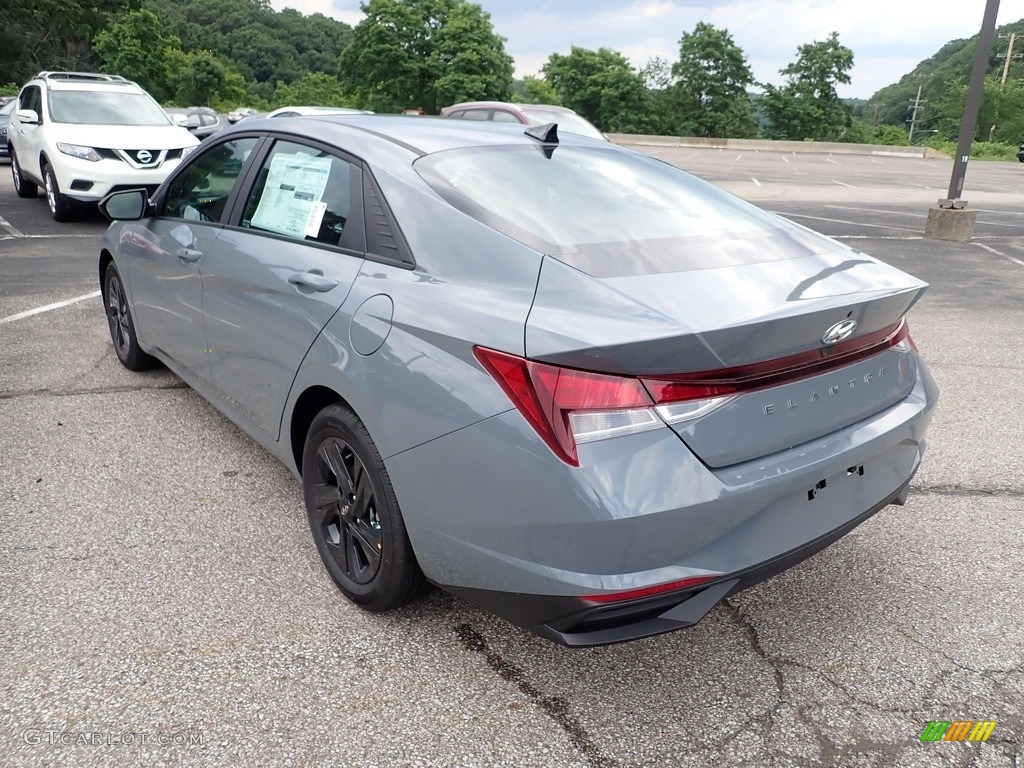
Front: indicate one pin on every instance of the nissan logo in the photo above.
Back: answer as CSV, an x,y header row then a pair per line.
x,y
144,156
839,332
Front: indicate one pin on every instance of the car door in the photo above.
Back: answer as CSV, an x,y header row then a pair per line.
x,y
273,279
27,142
165,253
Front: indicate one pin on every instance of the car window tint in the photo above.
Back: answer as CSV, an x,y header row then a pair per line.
x,y
201,191
476,114
301,192
30,100
501,116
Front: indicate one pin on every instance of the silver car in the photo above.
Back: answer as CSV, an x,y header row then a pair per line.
x,y
560,379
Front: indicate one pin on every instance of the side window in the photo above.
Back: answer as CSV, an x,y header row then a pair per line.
x,y
501,116
201,191
301,192
458,115
477,114
30,99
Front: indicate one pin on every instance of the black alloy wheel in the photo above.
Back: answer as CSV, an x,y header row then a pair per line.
x,y
353,514
122,327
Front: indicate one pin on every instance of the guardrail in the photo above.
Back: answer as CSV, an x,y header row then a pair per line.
x,y
761,145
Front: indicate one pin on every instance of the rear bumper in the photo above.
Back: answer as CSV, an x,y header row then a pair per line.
x,y
495,518
577,623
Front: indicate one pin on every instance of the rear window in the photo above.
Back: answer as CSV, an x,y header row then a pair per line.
x,y
611,212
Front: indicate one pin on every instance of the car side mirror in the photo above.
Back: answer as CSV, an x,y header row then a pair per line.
x,y
129,205
28,116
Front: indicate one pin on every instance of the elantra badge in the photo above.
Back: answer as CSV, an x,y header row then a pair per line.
x,y
839,332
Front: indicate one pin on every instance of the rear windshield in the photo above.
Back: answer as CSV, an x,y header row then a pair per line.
x,y
105,108
611,212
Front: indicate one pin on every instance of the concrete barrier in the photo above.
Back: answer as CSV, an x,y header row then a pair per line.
x,y
764,145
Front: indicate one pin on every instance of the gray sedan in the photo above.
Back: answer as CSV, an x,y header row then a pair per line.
x,y
567,382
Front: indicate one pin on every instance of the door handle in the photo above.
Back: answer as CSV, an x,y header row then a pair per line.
x,y
312,280
189,254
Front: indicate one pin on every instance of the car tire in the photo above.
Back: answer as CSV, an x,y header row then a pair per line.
x,y
60,209
354,516
122,326
22,186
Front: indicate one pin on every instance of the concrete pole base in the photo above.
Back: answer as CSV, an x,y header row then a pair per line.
x,y
950,224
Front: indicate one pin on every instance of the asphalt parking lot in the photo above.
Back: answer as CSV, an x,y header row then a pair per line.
x,y
161,602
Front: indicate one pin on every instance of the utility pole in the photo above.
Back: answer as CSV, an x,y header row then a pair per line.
x,y
1009,55
916,104
950,219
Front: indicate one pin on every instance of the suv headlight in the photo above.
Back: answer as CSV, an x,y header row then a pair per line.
x,y
83,153
186,151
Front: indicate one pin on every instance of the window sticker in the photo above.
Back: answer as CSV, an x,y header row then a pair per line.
x,y
316,217
295,185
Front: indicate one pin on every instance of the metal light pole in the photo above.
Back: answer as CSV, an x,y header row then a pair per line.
x,y
970,118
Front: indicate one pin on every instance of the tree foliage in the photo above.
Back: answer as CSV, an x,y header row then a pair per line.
x,y
602,86
711,81
425,53
807,106
51,34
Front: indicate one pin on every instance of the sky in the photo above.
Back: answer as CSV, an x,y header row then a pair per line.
x,y
888,37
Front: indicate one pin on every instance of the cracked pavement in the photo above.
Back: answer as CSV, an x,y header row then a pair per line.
x,y
157,577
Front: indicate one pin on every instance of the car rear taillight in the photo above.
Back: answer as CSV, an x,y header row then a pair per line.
x,y
567,406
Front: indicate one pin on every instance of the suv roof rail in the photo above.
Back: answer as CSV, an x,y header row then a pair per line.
x,y
94,76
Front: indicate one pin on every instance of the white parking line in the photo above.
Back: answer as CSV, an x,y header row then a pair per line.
x,y
11,229
876,210
990,249
47,308
843,184
758,183
840,221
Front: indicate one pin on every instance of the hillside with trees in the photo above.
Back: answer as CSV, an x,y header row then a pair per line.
x,y
430,53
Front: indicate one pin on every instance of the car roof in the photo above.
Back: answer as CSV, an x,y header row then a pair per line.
x,y
420,135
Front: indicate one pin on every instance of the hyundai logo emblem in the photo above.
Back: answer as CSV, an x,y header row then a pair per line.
x,y
144,156
839,332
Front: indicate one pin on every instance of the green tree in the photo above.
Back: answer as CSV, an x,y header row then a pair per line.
x,y
204,79
51,34
602,86
807,106
710,92
133,47
317,88
537,90
424,53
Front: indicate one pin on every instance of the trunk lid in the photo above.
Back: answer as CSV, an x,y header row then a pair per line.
x,y
731,321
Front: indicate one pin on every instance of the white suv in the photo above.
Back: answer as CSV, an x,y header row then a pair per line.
x,y
81,136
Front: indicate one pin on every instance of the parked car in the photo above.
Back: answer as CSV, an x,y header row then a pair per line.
x,y
300,111
201,122
561,379
1020,152
5,116
253,116
526,114
237,114
81,135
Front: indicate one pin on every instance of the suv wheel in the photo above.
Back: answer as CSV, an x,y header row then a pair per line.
x,y
22,186
60,209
